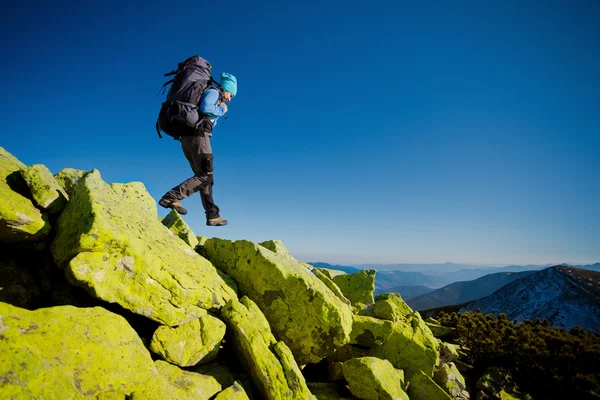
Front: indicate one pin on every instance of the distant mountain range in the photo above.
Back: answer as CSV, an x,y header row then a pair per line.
x,y
462,292
407,291
418,279
565,296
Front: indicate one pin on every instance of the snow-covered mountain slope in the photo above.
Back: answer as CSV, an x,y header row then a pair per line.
x,y
565,296
462,292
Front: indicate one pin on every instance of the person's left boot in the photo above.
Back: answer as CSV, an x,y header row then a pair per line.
x,y
216,222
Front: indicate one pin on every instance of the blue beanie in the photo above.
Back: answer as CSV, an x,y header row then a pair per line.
x,y
228,83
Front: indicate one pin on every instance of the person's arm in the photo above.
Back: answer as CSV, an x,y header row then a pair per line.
x,y
210,105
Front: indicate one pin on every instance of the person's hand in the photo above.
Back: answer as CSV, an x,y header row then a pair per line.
x,y
224,106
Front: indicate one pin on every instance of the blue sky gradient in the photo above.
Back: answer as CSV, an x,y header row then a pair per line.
x,y
362,132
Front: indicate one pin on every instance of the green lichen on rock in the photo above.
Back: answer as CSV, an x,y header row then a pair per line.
x,y
331,273
68,178
201,240
371,378
276,246
329,391
448,352
177,225
136,193
47,193
175,383
390,306
18,286
331,285
233,392
357,287
371,332
68,352
194,342
270,363
20,220
422,387
125,256
302,311
407,343
450,379
440,331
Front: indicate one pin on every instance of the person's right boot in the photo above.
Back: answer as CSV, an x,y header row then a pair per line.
x,y
216,222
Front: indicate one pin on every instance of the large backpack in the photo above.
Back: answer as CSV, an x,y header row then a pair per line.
x,y
179,114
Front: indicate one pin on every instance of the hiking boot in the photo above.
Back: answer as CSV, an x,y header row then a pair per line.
x,y
173,205
216,222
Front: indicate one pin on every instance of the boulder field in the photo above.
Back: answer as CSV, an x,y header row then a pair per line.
x,y
102,299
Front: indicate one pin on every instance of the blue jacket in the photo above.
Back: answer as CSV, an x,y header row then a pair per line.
x,y
209,104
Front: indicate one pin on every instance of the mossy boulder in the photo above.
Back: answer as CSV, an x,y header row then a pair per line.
x,y
330,391
331,273
407,343
331,285
194,342
177,225
233,392
175,383
68,178
270,363
125,256
448,352
276,246
135,193
302,311
20,220
450,379
440,331
47,193
391,307
68,352
357,287
422,387
371,378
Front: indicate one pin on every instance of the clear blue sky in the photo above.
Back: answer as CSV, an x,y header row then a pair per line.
x,y
465,131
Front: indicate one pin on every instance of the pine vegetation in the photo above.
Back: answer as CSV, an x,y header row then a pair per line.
x,y
546,362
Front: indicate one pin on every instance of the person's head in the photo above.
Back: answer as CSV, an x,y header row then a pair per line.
x,y
228,86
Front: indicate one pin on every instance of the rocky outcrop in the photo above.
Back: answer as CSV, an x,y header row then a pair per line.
x,y
47,193
121,255
450,379
270,363
68,178
179,384
406,343
233,392
391,307
20,220
194,342
136,193
177,225
371,378
301,310
422,387
143,287
68,352
357,287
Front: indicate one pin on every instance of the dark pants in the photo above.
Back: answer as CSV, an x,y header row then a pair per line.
x,y
199,154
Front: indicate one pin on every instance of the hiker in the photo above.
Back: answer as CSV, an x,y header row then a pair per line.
x,y
198,152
